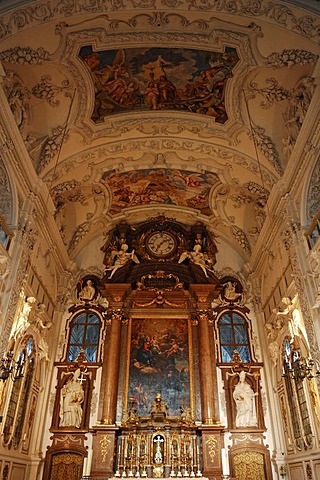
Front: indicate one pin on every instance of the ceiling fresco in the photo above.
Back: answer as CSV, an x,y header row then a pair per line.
x,y
160,186
192,109
143,79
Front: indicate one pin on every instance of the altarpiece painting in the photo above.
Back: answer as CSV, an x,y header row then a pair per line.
x,y
159,363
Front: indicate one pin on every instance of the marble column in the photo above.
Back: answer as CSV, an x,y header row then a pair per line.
x,y
206,370
111,368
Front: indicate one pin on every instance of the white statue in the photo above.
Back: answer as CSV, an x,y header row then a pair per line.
x,y
244,397
121,257
23,321
88,291
229,292
274,350
292,313
72,396
43,325
197,257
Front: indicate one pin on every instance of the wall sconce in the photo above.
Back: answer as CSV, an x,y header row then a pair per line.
x,y
10,367
283,472
302,368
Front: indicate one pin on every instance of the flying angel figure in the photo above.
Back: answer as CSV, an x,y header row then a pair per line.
x,y
197,257
121,257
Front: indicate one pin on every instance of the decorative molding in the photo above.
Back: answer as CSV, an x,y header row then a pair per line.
x,y
313,196
241,238
5,193
52,146
46,90
289,58
192,148
24,56
275,13
272,93
266,146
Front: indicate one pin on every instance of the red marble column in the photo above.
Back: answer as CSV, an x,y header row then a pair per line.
x,y
111,369
208,390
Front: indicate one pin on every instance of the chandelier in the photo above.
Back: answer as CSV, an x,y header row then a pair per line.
x,y
10,367
301,368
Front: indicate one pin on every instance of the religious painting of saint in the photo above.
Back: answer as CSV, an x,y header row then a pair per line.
x,y
159,364
148,79
160,186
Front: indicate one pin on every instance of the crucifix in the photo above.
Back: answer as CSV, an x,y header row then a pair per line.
x,y
158,456
81,379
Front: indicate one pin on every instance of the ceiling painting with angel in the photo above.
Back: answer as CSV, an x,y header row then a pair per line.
x,y
160,186
147,79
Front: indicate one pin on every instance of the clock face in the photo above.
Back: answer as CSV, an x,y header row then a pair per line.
x,y
161,244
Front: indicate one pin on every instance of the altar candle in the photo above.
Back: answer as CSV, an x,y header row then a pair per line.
x,y
89,462
225,462
84,471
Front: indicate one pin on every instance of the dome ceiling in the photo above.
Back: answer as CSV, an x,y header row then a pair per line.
x,y
134,109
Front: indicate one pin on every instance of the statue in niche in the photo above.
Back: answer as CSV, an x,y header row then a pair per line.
x,y
244,397
88,292
71,399
229,292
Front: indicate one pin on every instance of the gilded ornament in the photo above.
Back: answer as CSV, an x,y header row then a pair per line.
x,y
104,444
212,444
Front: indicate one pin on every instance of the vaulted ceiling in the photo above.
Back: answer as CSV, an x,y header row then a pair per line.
x,y
133,109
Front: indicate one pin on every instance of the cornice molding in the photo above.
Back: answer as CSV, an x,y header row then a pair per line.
x,y
19,16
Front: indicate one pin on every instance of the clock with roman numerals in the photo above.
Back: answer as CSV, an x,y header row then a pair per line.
x,y
161,244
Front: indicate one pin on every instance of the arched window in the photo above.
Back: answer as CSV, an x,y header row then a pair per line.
x,y
13,426
84,334
294,384
233,334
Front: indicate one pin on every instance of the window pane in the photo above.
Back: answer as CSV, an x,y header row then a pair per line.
x,y
77,334
244,354
225,334
237,319
73,353
233,336
93,318
240,334
80,319
227,353
91,354
84,334
226,318
92,335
